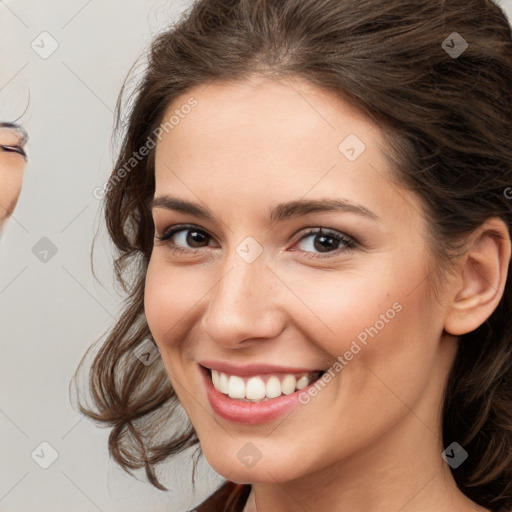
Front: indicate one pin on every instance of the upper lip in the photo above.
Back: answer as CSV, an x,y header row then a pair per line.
x,y
252,369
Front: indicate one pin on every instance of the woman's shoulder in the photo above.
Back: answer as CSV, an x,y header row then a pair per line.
x,y
229,497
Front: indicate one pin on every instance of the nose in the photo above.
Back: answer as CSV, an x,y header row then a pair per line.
x,y
245,305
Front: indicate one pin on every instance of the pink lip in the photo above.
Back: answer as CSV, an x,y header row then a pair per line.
x,y
252,369
250,413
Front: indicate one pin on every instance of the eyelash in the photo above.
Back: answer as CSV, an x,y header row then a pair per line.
x,y
13,149
350,243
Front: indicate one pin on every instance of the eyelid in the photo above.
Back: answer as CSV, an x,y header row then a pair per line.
x,y
13,149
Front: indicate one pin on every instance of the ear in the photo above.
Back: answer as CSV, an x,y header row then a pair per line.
x,y
480,279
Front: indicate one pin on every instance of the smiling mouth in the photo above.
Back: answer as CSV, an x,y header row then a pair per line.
x,y
261,388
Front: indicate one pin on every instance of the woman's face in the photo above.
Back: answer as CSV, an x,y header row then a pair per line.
x,y
12,165
237,288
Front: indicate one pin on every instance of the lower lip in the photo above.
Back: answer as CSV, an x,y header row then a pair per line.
x,y
249,412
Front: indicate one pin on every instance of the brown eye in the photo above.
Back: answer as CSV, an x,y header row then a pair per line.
x,y
326,242
190,235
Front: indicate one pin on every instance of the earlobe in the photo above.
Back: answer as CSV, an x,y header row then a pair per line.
x,y
482,276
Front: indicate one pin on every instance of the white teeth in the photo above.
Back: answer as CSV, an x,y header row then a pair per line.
x,y
215,380
288,384
236,387
302,382
223,383
273,388
256,389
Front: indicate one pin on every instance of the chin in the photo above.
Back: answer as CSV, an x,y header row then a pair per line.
x,y
233,462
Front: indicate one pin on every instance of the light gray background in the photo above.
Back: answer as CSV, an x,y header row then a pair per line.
x,y
50,312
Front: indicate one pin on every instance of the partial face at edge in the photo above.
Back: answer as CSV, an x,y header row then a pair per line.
x,y
305,300
12,165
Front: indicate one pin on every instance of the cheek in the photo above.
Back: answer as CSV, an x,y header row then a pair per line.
x,y
10,187
170,296
380,318
167,301
160,304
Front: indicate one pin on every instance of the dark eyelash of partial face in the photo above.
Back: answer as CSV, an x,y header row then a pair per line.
x,y
14,149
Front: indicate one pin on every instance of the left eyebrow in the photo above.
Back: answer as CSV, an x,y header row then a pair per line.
x,y
303,207
280,212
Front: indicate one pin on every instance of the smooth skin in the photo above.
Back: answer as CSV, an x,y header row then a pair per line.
x,y
12,167
370,441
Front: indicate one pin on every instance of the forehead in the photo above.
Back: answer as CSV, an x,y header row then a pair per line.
x,y
261,121
257,106
270,141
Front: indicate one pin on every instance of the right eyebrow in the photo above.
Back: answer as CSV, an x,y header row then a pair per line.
x,y
173,203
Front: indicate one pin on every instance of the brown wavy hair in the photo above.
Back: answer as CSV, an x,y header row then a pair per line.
x,y
448,126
